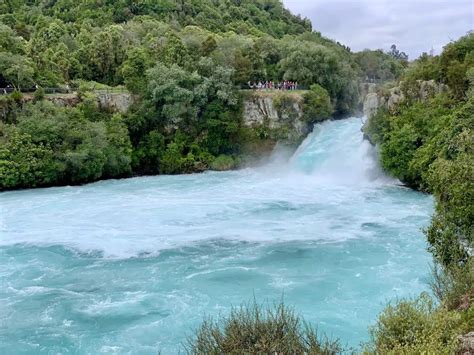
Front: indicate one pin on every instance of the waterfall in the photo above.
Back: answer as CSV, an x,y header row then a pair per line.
x,y
335,152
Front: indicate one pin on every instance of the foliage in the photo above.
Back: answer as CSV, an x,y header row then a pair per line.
x,y
450,68
312,63
52,145
378,66
453,286
223,163
428,144
396,54
258,329
16,69
23,163
415,327
317,104
39,94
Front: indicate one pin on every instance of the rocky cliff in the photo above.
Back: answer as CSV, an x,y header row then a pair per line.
x,y
110,101
389,99
271,118
280,114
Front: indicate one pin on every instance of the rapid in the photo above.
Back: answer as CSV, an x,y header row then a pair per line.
x,y
134,265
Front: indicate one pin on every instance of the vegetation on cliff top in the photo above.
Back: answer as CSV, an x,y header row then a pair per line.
x,y
429,144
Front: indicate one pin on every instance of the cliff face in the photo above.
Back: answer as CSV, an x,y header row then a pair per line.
x,y
279,114
113,102
422,91
391,99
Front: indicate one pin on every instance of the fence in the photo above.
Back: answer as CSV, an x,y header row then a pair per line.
x,y
9,90
63,90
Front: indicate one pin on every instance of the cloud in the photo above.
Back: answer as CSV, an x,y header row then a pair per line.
x,y
414,26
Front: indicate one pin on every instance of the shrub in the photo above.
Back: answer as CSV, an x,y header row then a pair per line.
x,y
454,286
39,94
148,154
317,105
17,96
223,162
415,327
256,329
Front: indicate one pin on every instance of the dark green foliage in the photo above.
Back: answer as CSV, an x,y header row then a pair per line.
x,y
309,62
149,152
52,145
134,69
256,329
39,94
429,146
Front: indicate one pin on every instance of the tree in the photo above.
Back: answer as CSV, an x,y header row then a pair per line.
x,y
176,93
396,54
175,52
149,153
134,69
17,69
317,104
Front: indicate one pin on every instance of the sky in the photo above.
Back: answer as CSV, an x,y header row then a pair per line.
x,y
415,26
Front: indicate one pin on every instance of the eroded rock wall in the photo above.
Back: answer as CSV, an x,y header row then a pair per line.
x,y
280,113
391,99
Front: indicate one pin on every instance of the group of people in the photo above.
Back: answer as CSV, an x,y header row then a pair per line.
x,y
270,85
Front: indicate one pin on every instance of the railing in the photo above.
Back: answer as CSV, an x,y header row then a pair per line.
x,y
9,90
256,88
63,90
116,90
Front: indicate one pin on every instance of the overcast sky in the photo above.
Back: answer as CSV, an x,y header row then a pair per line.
x,y
414,26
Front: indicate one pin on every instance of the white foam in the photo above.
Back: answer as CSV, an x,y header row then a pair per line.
x,y
326,192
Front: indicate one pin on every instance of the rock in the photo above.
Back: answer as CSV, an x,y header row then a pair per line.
x,y
279,112
115,102
371,104
364,90
466,344
395,98
422,91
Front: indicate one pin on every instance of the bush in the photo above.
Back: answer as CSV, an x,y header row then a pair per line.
x,y
39,94
415,327
23,163
223,163
255,329
59,145
147,156
317,105
454,286
16,96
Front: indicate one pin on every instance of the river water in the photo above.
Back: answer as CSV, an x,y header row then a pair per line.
x,y
134,265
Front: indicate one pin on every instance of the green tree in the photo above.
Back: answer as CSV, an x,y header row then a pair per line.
x,y
317,104
23,163
17,70
134,69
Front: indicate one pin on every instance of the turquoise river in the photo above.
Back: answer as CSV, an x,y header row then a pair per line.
x,y
133,266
